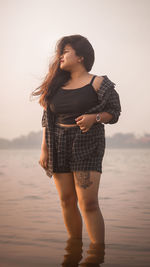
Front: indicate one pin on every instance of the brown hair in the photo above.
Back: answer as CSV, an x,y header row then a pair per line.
x,y
57,77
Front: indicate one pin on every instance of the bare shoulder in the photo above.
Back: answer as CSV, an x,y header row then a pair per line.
x,y
97,82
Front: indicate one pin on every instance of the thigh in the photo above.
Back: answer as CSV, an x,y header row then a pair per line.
x,y
87,185
65,185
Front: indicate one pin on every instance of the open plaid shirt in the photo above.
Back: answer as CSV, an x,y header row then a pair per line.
x,y
108,101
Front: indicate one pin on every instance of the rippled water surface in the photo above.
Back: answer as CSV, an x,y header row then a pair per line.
x,y
32,231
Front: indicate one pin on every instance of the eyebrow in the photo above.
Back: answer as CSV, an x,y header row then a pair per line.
x,y
66,48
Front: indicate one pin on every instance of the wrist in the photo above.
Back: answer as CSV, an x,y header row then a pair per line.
x,y
98,118
44,147
94,118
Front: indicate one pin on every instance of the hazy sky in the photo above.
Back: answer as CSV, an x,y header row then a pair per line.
x,y
119,33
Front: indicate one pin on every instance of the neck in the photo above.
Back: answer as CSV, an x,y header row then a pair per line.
x,y
77,74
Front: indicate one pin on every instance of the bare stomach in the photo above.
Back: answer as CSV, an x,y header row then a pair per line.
x,y
67,125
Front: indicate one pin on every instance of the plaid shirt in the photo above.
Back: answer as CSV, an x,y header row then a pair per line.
x,y
108,101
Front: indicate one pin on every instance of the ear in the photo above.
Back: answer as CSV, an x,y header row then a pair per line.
x,y
80,59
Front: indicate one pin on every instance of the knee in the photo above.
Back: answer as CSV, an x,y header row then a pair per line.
x,y
68,201
91,205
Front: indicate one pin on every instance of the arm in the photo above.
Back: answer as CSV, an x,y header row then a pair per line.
x,y
87,120
44,145
44,151
105,117
113,107
109,101
108,104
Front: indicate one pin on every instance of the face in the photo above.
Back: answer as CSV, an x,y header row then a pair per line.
x,y
69,59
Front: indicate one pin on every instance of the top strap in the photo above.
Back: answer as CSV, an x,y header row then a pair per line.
x,y
92,79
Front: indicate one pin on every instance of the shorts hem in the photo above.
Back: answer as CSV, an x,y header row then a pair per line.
x,y
77,169
50,175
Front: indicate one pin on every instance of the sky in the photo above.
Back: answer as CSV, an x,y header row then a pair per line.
x,y
119,33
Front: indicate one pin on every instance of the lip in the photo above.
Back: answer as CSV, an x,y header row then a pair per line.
x,y
61,61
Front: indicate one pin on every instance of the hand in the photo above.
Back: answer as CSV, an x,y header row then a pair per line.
x,y
44,158
85,121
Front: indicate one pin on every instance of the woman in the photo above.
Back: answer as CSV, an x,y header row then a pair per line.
x,y
76,106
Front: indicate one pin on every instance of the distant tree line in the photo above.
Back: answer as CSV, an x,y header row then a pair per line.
x,y
118,140
128,140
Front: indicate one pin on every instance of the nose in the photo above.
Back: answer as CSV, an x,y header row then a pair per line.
x,y
61,57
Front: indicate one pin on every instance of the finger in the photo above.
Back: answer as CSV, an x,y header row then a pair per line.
x,y
79,118
80,122
40,163
85,130
45,166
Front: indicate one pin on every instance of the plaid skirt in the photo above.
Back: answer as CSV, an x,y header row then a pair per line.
x,y
75,150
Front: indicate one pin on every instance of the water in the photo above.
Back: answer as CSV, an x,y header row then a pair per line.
x,y
32,231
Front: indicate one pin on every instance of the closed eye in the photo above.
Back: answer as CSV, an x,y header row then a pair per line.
x,y
66,51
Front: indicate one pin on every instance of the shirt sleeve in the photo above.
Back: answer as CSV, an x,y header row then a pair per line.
x,y
109,100
44,118
113,106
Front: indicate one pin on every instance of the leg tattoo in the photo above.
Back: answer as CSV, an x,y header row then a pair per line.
x,y
83,179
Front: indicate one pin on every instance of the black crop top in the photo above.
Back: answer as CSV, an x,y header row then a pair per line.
x,y
68,104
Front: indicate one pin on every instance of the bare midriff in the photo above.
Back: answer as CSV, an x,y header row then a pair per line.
x,y
67,125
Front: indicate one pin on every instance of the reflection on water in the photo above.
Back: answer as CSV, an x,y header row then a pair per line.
x,y
74,251
95,256
32,231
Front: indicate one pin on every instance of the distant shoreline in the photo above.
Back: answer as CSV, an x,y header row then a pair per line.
x,y
119,140
38,148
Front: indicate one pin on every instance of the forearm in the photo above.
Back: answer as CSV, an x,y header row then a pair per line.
x,y
44,145
105,117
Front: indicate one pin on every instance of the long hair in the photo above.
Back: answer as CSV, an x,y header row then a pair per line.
x,y
57,77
